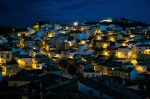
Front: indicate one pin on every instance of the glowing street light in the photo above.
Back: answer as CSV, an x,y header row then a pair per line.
x,y
75,23
13,30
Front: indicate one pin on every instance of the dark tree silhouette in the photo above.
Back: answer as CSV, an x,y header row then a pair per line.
x,y
71,69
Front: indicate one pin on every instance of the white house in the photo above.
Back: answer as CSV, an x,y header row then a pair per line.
x,y
129,73
77,36
57,26
85,35
124,52
86,66
30,31
141,67
41,33
47,27
94,30
102,28
85,52
111,26
130,44
90,73
82,47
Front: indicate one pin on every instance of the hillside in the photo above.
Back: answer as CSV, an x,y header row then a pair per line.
x,y
6,30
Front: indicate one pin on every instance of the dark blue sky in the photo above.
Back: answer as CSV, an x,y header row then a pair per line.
x,y
27,12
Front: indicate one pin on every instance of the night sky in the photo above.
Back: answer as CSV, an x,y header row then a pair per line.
x,y
27,12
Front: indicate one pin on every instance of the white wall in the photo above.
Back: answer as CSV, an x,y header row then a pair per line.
x,y
133,74
0,76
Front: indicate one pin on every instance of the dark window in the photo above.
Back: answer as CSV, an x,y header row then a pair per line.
x,y
139,47
139,51
112,43
15,84
7,56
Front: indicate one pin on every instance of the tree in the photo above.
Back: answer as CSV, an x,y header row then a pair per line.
x,y
71,69
63,63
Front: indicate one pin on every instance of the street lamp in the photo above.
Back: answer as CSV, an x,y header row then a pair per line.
x,y
13,30
75,23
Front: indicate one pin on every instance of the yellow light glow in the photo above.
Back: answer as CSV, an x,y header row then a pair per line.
x,y
3,70
75,23
134,61
123,44
98,37
105,45
83,59
36,26
129,54
112,39
70,43
139,68
98,31
34,66
70,56
106,53
147,51
119,54
50,35
82,42
67,27
19,34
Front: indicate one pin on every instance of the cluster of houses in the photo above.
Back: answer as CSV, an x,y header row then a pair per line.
x,y
99,52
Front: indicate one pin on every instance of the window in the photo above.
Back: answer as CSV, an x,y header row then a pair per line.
x,y
15,84
7,56
139,51
139,47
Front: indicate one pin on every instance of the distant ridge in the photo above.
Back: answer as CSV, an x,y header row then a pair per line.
x,y
6,30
